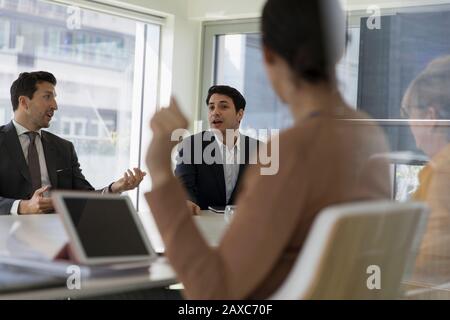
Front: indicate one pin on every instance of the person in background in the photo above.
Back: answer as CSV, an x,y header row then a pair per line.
x,y
33,160
427,104
323,160
214,182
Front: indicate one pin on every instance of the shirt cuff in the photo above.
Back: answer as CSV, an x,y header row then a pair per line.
x,y
15,208
107,189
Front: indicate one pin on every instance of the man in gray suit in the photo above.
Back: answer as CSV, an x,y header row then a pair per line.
x,y
33,160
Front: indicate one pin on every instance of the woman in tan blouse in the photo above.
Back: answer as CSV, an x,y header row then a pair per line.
x,y
324,159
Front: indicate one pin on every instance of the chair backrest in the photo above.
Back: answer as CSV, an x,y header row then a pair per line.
x,y
353,248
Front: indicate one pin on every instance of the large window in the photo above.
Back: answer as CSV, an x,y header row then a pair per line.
x,y
232,56
102,63
239,64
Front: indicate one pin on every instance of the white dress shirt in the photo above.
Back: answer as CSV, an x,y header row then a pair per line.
x,y
231,165
25,143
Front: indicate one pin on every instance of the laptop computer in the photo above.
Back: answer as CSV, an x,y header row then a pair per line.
x,y
103,228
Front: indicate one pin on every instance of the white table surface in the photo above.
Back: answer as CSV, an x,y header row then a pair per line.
x,y
47,233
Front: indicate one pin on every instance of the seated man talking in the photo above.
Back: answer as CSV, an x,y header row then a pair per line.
x,y
211,163
34,160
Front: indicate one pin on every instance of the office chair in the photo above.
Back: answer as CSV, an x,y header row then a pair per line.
x,y
361,250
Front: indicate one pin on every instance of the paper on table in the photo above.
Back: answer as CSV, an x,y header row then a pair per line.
x,y
14,279
49,267
33,245
26,241
61,268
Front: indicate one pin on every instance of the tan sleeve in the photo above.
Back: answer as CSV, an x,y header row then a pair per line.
x,y
268,213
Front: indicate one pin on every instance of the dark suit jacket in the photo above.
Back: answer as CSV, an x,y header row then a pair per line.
x,y
203,180
15,182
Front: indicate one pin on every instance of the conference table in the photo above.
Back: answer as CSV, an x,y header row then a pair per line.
x,y
43,235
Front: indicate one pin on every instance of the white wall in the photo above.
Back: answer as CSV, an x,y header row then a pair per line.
x,y
220,9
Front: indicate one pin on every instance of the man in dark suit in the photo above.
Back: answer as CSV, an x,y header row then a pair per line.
x,y
211,164
33,160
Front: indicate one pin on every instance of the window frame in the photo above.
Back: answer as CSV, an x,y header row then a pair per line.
x,y
116,8
210,31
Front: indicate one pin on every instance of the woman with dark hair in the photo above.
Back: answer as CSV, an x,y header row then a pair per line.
x,y
322,161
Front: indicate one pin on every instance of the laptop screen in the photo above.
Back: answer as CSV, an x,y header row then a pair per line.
x,y
106,227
